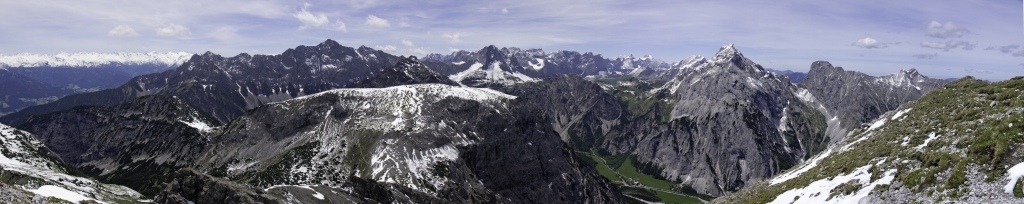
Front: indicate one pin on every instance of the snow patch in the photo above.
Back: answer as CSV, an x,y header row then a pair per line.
x,y
459,62
539,65
58,192
1013,174
819,191
900,113
877,124
458,77
198,125
931,136
805,95
806,166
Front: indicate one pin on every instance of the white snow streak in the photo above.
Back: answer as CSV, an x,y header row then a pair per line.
x,y
819,191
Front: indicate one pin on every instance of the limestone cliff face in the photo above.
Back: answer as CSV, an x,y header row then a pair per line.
x,y
732,123
855,98
715,127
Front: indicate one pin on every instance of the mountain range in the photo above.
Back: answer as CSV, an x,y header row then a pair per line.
x,y
31,79
330,123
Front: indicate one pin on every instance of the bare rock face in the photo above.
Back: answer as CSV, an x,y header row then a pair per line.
x,y
855,98
408,71
190,186
133,144
453,143
732,123
580,110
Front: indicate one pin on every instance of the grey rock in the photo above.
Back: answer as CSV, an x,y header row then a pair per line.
x,y
857,98
133,144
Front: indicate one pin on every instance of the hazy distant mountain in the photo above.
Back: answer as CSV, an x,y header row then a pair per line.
x,y
18,91
32,79
794,77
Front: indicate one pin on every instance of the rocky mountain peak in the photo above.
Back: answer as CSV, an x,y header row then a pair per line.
x,y
407,71
823,67
911,73
492,52
329,44
727,52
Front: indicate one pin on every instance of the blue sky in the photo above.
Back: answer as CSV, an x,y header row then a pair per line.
x,y
940,38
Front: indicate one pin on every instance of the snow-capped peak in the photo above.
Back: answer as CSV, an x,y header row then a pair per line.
x,y
647,57
902,78
92,59
727,52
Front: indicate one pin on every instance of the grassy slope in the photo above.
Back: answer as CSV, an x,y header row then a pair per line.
x,y
628,170
969,117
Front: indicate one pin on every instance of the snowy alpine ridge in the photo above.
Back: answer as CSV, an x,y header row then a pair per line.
x,y
92,59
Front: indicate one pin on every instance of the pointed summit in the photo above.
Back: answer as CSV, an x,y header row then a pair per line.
x,y
329,43
407,71
727,52
912,72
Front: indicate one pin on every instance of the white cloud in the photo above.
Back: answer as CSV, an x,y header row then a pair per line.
x,y
869,43
504,10
174,30
387,48
372,20
407,43
947,30
122,31
318,20
404,24
946,46
418,50
453,49
340,26
310,20
925,56
453,38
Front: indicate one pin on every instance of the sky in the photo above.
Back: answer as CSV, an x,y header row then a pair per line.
x,y
941,39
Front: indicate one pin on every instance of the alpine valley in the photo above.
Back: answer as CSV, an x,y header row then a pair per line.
x,y
334,124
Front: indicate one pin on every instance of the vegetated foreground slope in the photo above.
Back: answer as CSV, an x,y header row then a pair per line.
x,y
961,143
